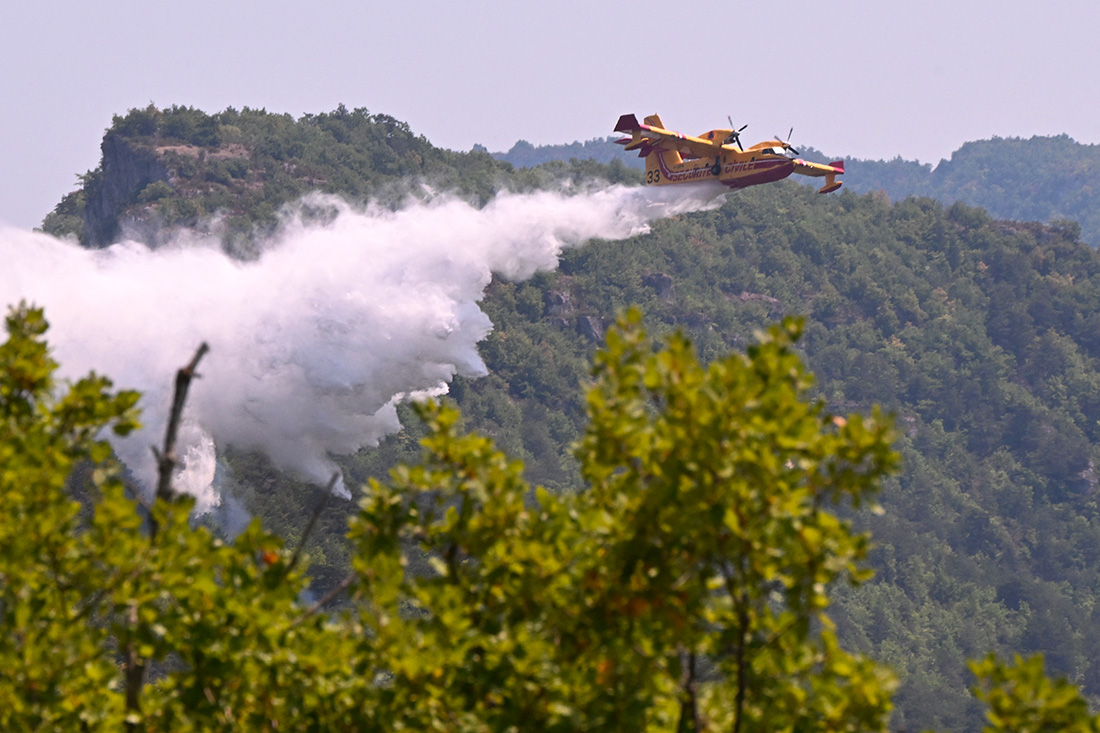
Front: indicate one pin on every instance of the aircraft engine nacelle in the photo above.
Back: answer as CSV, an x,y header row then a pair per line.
x,y
719,135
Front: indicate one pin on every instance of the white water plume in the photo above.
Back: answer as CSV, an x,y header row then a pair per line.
x,y
314,343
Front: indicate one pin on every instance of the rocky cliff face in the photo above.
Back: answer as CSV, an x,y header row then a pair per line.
x,y
126,171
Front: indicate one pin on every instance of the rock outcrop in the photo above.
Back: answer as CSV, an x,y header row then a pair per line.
x,y
126,171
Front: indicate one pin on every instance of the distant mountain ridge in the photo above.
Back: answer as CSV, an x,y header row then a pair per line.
x,y
1045,179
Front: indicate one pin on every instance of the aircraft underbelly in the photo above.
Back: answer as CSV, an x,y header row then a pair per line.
x,y
759,172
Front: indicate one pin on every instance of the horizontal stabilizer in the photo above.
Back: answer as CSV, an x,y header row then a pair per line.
x,y
831,183
645,147
641,142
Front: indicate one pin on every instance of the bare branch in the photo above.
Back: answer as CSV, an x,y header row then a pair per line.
x,y
690,718
166,458
328,597
133,662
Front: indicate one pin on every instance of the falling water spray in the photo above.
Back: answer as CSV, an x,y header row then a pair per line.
x,y
316,341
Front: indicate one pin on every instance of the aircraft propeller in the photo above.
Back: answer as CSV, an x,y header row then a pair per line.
x,y
787,142
735,134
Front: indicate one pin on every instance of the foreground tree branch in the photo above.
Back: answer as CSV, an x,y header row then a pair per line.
x,y
134,662
166,458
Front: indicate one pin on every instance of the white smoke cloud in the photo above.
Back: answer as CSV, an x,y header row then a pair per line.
x,y
314,343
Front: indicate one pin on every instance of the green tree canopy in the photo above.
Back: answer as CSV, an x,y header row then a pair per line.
x,y
687,588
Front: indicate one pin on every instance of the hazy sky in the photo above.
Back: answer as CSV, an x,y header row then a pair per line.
x,y
867,78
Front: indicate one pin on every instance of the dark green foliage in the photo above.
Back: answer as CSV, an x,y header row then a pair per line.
x,y
190,126
136,123
1022,698
154,192
66,220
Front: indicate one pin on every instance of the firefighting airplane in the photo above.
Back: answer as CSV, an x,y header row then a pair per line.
x,y
671,157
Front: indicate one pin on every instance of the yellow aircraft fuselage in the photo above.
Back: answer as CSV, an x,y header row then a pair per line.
x,y
672,157
735,169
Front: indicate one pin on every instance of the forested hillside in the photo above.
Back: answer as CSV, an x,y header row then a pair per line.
x,y
981,336
1046,179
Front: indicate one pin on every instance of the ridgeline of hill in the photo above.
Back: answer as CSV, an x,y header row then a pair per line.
x,y
981,335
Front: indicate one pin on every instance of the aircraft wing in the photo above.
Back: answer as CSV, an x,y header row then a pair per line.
x,y
649,138
830,172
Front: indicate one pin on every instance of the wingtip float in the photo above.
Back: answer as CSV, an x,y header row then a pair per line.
x,y
672,157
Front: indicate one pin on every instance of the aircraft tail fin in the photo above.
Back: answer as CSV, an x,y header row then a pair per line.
x,y
648,147
627,123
